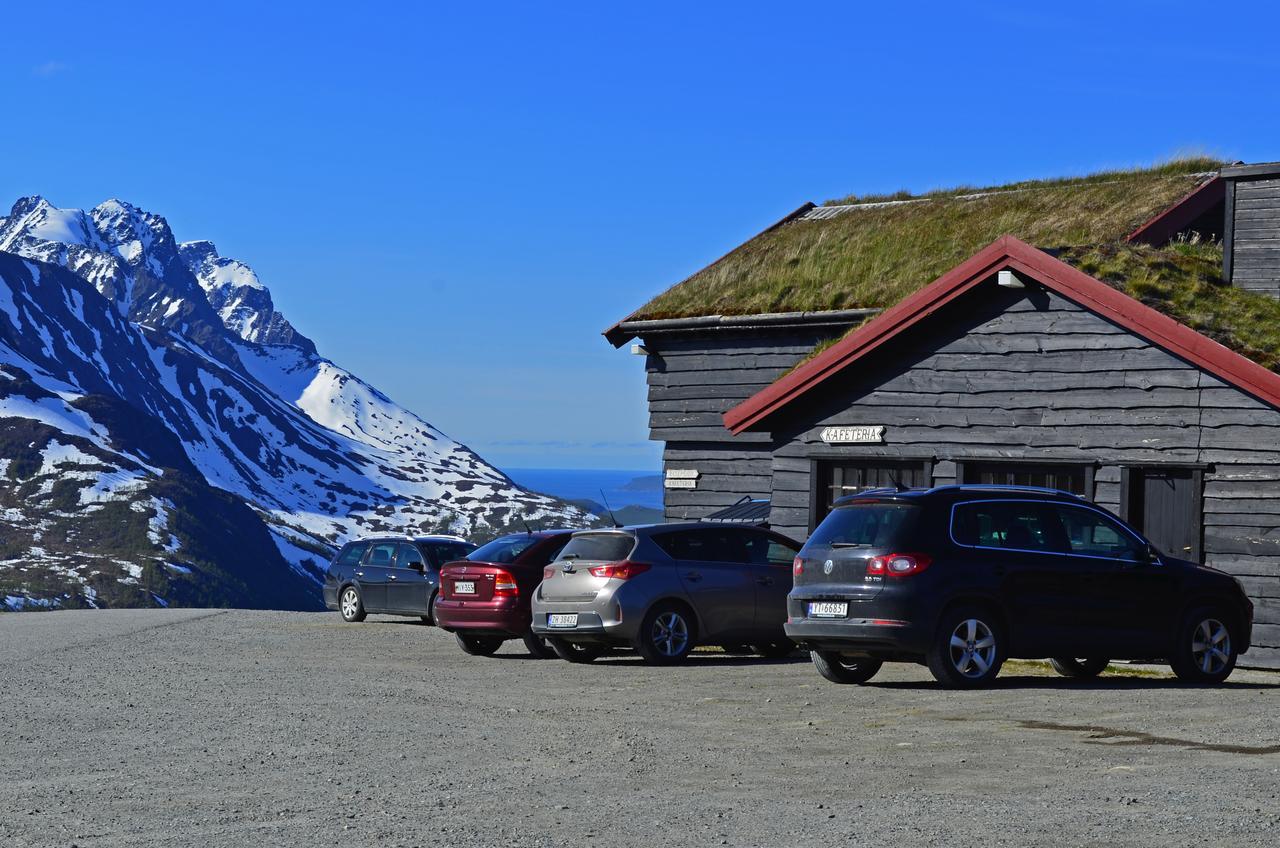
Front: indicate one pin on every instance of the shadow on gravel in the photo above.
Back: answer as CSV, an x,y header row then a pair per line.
x,y
1098,684
1113,737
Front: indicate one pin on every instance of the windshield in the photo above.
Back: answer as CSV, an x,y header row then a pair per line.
x,y
869,524
604,547
503,550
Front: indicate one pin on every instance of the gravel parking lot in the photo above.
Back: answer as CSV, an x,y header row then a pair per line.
x,y
198,727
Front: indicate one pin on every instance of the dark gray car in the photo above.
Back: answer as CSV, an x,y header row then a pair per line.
x,y
665,588
400,576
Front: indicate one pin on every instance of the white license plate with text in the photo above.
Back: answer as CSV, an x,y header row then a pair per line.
x,y
828,609
562,619
465,587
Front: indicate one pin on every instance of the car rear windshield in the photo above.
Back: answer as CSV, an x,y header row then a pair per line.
x,y
605,547
442,552
870,524
504,550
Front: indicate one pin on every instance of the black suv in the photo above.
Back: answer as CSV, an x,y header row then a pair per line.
x,y
962,577
400,576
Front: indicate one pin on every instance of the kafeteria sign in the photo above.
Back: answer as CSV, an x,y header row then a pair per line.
x,y
871,434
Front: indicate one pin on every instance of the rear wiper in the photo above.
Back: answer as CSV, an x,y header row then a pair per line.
x,y
571,556
849,545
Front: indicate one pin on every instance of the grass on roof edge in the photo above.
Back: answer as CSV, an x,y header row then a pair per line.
x,y
1177,166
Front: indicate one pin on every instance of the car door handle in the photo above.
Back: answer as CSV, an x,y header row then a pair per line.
x,y
694,576
392,576
359,574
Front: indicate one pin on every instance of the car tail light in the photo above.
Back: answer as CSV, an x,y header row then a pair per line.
x,y
797,566
898,565
619,570
548,572
504,585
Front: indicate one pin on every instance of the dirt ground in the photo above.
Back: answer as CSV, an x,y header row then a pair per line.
x,y
199,727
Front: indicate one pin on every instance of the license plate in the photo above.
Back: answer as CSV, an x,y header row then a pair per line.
x,y
562,619
828,609
464,587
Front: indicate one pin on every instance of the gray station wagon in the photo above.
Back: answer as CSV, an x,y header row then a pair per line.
x,y
663,589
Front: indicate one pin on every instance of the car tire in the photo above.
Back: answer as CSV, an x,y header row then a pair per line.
x,y
539,647
430,617
777,649
351,605
968,649
479,646
841,669
666,634
576,652
1205,650
1079,669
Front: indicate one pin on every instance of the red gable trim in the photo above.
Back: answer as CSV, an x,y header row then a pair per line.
x,y
1179,216
1055,275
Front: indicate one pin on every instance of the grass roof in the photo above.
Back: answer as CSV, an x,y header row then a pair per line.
x,y
883,248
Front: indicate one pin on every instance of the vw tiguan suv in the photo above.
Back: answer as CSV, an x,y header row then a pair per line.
x,y
663,589
963,577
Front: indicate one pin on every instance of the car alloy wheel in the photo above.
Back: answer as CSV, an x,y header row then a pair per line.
x,y
666,635
1211,647
967,650
973,648
1205,651
350,605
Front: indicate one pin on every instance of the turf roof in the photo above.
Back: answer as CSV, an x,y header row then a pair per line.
x,y
881,249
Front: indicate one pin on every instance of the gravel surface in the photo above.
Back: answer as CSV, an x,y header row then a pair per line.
x,y
198,727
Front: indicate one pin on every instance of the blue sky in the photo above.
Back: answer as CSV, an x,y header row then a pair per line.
x,y
454,200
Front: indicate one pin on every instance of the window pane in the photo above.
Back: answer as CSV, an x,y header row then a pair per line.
x,y
1092,534
1069,478
704,545
763,549
352,554
871,524
1012,525
382,554
408,554
604,547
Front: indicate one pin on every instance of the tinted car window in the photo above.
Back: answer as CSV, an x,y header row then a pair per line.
x,y
1015,525
608,547
408,554
763,549
352,553
709,545
382,554
1091,533
441,552
504,549
872,524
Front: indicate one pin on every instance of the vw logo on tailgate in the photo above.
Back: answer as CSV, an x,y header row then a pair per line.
x,y
828,566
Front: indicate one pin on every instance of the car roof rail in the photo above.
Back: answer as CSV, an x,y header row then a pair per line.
x,y
1007,487
878,492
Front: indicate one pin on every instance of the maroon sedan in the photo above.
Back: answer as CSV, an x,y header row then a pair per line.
x,y
484,599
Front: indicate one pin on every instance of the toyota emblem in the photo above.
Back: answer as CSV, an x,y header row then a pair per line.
x,y
827,566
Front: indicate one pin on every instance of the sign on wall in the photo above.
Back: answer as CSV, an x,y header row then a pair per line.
x,y
870,434
681,478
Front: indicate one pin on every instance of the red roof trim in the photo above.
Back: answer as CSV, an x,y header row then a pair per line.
x,y
1071,283
1179,216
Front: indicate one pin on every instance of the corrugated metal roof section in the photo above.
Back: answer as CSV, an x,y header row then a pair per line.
x,y
746,511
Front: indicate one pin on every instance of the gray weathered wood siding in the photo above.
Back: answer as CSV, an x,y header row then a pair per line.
x,y
693,380
1038,378
1255,235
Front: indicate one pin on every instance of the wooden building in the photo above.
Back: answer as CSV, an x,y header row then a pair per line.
x,y
1113,335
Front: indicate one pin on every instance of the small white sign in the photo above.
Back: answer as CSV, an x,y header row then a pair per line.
x,y
677,483
683,474
871,434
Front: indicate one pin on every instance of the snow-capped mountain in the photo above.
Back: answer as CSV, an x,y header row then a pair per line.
x,y
166,436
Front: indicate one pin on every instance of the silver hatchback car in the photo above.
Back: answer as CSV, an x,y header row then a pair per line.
x,y
662,589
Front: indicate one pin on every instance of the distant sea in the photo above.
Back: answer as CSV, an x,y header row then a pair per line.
x,y
622,488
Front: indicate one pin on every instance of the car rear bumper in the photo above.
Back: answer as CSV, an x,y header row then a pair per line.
x,y
497,618
890,624
605,622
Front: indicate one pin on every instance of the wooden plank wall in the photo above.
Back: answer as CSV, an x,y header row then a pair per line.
x,y
1255,234
693,379
1045,380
